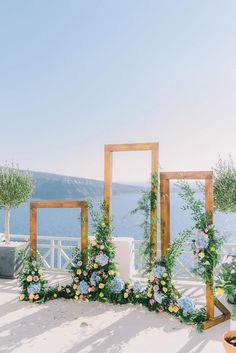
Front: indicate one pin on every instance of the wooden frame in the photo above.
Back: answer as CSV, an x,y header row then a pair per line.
x,y
83,205
109,149
165,178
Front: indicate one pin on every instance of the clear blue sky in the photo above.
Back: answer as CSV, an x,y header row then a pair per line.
x,y
75,75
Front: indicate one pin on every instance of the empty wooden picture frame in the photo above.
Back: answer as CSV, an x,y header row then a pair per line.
x,y
207,176
109,150
83,205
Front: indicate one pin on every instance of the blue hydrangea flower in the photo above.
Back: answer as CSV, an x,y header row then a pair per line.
x,y
34,288
94,279
117,285
158,271
186,305
83,287
158,297
200,240
137,287
102,259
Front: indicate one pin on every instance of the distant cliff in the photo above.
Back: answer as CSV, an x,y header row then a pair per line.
x,y
53,186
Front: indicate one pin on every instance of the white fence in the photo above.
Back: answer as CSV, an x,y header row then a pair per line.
x,y
56,252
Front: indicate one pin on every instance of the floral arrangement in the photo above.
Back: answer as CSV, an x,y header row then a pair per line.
x,y
226,280
206,242
33,285
98,279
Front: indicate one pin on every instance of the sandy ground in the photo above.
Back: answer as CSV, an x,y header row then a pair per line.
x,y
63,326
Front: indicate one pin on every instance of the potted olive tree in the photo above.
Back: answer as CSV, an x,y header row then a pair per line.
x,y
15,189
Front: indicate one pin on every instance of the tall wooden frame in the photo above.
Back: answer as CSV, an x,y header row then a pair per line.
x,y
109,149
83,205
207,176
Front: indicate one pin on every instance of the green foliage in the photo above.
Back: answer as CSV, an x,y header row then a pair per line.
x,y
206,242
15,187
225,186
146,204
226,280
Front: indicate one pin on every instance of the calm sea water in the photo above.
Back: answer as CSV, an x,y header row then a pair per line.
x,y
65,222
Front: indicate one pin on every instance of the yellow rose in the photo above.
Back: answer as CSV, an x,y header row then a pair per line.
x,y
93,243
76,297
77,292
78,271
151,278
101,285
220,291
102,247
59,289
89,289
75,286
130,286
31,296
95,266
212,248
21,296
36,297
40,271
55,295
29,278
101,295
111,273
149,294
103,224
175,309
163,283
201,254
170,308
164,289
126,295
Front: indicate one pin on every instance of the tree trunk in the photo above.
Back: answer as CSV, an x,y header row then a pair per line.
x,y
7,225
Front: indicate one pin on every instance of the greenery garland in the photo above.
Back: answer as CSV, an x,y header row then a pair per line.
x,y
206,241
146,204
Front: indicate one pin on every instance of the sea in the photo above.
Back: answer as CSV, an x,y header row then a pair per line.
x,y
66,222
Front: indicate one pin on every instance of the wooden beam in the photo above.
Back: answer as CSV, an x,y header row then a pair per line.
x,y
154,212
108,151
186,175
84,233
58,204
108,158
131,147
33,231
165,215
210,301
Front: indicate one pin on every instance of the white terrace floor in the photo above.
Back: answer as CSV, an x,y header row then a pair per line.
x,y
63,326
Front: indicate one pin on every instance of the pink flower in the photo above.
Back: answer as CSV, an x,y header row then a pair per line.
x,y
93,289
151,301
35,278
156,288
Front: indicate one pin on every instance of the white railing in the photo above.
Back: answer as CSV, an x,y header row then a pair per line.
x,y
56,252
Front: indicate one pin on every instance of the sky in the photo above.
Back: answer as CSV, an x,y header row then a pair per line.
x,y
76,75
